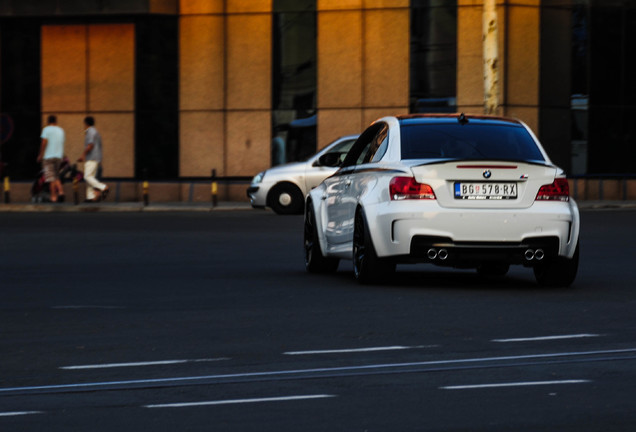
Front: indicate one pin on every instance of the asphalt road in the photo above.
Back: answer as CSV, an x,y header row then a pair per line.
x,y
208,321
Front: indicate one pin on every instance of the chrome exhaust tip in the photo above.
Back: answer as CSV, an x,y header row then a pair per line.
x,y
442,254
539,254
431,254
529,255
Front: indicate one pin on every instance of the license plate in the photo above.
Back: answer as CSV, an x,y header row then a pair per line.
x,y
485,191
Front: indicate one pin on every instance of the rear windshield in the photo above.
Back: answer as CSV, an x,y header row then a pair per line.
x,y
471,141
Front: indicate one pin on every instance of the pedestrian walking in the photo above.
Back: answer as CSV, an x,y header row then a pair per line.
x,y
92,158
51,154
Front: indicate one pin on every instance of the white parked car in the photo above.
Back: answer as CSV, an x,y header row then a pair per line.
x,y
453,190
283,187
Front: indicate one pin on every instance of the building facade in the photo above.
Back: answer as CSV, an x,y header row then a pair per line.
x,y
181,87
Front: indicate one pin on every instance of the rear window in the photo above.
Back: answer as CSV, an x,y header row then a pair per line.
x,y
471,141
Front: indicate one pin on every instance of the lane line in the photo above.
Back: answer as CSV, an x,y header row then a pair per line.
x,y
141,364
514,384
544,338
434,365
88,307
19,413
358,350
240,401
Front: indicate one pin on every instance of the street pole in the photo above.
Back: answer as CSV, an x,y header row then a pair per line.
x,y
491,57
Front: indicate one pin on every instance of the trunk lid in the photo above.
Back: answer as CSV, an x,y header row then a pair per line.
x,y
485,184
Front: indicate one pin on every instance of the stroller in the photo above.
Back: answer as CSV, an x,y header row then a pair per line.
x,y
40,189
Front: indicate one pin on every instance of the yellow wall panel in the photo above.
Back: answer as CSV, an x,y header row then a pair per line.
x,y
63,68
249,68
248,142
324,5
339,59
334,123
372,114
201,7
118,137
201,145
111,67
386,58
249,6
470,84
373,4
523,56
201,52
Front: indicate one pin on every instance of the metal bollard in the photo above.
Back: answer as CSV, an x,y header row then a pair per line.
x,y
214,191
7,191
146,188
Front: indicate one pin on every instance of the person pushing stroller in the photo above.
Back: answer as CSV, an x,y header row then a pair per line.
x,y
51,154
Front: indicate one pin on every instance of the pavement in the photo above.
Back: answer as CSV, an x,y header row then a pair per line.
x,y
124,207
207,207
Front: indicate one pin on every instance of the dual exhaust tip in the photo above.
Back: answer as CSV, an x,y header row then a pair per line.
x,y
434,254
442,254
532,254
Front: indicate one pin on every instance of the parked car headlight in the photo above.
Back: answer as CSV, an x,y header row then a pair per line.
x,y
258,177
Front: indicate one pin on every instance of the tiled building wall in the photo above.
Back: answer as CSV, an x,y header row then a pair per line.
x,y
89,70
363,64
519,37
225,87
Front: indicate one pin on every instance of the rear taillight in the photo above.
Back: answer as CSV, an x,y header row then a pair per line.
x,y
402,188
557,191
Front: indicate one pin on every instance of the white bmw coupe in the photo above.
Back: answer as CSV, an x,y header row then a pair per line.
x,y
452,190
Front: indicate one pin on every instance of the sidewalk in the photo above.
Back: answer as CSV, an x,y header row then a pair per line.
x,y
207,207
123,207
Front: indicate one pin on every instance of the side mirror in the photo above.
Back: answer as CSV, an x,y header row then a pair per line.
x,y
330,160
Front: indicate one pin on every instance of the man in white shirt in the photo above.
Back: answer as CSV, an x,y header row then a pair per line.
x,y
51,154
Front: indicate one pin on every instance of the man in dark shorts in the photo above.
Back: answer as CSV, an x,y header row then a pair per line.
x,y
51,154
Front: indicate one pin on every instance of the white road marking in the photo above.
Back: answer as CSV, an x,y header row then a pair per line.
x,y
514,384
356,350
88,307
544,338
377,368
240,401
140,364
19,413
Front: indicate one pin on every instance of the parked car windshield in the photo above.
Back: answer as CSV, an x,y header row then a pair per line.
x,y
470,141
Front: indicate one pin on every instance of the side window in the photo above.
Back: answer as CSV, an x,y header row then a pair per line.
x,y
361,147
380,144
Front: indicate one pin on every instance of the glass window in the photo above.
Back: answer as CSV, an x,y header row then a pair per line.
x,y
433,67
294,71
470,141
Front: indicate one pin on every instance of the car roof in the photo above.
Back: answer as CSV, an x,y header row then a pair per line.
x,y
410,119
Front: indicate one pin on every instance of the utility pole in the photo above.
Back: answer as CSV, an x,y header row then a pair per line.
x,y
491,57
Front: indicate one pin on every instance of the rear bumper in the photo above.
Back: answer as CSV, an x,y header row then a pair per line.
x,y
446,252
404,229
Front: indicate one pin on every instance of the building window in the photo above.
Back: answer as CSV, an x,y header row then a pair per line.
x,y
433,67
293,80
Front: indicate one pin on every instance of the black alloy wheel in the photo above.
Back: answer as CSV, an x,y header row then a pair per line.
x,y
558,271
367,267
315,261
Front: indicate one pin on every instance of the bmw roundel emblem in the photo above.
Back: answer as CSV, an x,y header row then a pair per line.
x,y
487,174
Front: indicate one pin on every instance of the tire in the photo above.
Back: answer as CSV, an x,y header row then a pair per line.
x,y
558,272
493,270
367,267
286,199
315,261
